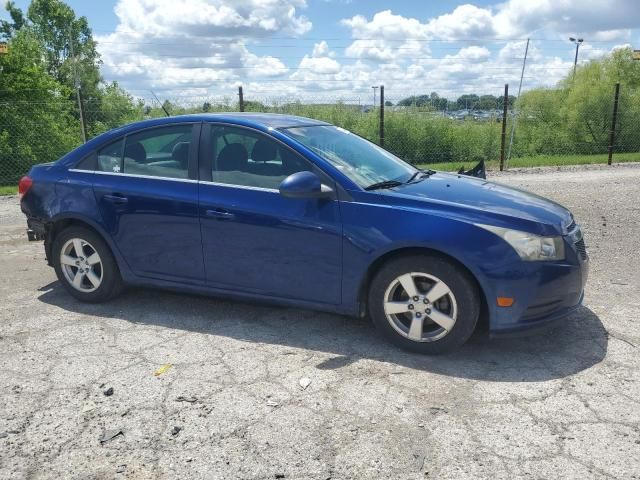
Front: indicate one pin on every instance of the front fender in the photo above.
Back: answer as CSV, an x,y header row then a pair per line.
x,y
372,232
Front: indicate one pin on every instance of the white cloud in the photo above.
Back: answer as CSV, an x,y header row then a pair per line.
x,y
212,45
521,17
167,44
386,37
466,21
211,18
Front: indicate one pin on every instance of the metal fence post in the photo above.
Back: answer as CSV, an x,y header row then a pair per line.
x,y
241,99
612,133
503,136
381,116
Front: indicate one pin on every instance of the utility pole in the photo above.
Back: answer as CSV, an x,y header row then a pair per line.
x,y
515,118
76,85
577,41
375,89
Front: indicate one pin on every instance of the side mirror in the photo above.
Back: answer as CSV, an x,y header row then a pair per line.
x,y
304,185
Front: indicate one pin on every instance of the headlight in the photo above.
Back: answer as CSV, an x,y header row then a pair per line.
x,y
530,247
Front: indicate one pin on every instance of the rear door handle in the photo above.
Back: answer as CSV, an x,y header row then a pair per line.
x,y
220,214
117,199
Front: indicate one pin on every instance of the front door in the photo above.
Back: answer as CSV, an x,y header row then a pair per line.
x,y
147,193
256,240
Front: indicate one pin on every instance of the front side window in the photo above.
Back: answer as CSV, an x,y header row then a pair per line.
x,y
157,152
362,161
247,158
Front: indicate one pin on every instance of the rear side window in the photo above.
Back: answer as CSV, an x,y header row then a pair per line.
x,y
109,157
158,152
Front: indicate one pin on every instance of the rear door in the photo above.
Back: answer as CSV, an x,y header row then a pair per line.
x,y
253,238
147,192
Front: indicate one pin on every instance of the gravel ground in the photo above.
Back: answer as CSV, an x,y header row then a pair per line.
x,y
564,404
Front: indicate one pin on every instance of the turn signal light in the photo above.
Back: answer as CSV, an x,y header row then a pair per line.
x,y
505,301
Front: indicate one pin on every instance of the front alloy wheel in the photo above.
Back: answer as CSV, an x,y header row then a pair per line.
x,y
424,303
420,307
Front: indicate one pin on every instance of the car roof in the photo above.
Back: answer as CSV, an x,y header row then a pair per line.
x,y
249,119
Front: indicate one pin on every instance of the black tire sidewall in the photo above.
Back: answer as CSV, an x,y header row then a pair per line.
x,y
111,281
462,285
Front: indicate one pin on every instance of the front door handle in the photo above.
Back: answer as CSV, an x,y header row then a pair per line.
x,y
117,199
219,213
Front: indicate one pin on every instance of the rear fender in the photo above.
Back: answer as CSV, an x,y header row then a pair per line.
x,y
62,221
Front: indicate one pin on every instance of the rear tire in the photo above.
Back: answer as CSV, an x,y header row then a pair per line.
x,y
424,303
85,265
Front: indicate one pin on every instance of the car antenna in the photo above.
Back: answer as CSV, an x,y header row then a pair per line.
x,y
161,104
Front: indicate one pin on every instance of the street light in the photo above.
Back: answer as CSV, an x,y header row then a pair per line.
x,y
577,41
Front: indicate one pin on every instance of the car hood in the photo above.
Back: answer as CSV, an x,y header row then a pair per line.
x,y
482,201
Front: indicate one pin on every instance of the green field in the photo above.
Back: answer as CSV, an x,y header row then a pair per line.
x,y
8,190
540,161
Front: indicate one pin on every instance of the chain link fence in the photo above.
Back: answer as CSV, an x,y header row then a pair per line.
x,y
543,127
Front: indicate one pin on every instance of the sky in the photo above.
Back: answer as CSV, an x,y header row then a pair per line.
x,y
324,50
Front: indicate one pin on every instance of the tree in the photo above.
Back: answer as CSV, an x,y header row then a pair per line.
x,y
500,101
415,101
467,101
588,105
9,28
487,102
61,33
117,107
36,121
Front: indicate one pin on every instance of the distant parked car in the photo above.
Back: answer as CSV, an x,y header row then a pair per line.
x,y
299,212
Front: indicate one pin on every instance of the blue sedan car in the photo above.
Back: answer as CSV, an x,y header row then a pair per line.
x,y
303,213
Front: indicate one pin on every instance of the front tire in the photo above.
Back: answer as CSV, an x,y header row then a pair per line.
x,y
424,303
85,265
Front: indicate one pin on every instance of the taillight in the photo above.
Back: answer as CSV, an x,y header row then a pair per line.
x,y
24,185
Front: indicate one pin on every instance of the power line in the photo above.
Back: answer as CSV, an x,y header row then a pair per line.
x,y
497,40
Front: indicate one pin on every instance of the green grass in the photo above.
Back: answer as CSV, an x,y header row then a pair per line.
x,y
8,190
540,161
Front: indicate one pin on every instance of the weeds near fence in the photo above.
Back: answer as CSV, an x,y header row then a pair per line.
x,y
553,127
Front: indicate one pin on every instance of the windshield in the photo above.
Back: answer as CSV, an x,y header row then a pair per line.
x,y
360,160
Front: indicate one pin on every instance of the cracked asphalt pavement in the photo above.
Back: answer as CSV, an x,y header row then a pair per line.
x,y
164,385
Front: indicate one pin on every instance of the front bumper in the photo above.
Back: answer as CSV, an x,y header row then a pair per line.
x,y
544,295
541,324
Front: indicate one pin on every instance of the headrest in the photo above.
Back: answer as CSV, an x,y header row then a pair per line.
x,y
264,151
180,153
233,157
135,151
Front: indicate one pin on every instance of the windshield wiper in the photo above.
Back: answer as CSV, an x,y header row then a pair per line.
x,y
423,173
385,184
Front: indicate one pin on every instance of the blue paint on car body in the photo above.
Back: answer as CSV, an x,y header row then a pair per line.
x,y
196,234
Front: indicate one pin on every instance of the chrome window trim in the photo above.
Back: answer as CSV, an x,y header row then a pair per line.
x,y
134,175
243,187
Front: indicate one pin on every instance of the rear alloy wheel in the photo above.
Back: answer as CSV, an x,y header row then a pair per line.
x,y
424,303
85,266
81,265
